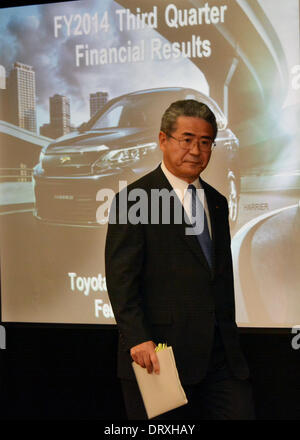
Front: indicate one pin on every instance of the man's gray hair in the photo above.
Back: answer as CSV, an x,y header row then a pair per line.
x,y
187,107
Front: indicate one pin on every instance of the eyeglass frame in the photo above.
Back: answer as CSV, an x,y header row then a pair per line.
x,y
213,143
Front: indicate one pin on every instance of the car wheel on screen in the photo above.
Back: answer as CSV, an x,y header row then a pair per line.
x,y
233,197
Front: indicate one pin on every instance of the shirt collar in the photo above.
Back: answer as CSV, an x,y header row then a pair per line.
x,y
176,182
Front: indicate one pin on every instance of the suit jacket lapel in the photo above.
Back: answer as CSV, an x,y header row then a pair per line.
x,y
212,207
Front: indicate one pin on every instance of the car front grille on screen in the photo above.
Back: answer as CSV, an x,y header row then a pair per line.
x,y
57,201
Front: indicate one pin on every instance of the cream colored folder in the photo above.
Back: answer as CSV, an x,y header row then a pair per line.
x,y
160,392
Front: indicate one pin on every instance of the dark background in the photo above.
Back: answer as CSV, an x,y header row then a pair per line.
x,y
59,373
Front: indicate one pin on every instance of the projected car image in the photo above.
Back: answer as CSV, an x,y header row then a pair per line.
x,y
121,143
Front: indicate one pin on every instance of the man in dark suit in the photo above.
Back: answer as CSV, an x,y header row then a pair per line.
x,y
166,285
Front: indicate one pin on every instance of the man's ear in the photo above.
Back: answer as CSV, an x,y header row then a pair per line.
x,y
162,140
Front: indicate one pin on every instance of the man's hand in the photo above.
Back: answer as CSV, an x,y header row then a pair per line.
x,y
144,355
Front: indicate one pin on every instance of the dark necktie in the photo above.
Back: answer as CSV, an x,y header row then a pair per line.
x,y
204,237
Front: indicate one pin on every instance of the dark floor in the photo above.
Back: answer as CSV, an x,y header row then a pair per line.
x,y
70,373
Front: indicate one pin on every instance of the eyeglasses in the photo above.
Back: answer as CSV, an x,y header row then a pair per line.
x,y
188,143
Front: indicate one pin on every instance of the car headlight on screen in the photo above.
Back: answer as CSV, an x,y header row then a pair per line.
x,y
123,157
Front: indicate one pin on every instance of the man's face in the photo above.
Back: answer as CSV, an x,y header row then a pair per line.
x,y
186,164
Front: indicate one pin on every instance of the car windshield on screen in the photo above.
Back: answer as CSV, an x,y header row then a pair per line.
x,y
135,111
142,110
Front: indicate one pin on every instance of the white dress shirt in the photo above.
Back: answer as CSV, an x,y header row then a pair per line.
x,y
180,187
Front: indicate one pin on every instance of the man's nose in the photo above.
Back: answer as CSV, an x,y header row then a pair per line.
x,y
195,149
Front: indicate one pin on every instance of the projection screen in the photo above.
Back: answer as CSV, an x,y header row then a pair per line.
x,y
83,85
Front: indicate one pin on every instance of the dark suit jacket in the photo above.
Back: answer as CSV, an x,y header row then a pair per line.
x,y
162,289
